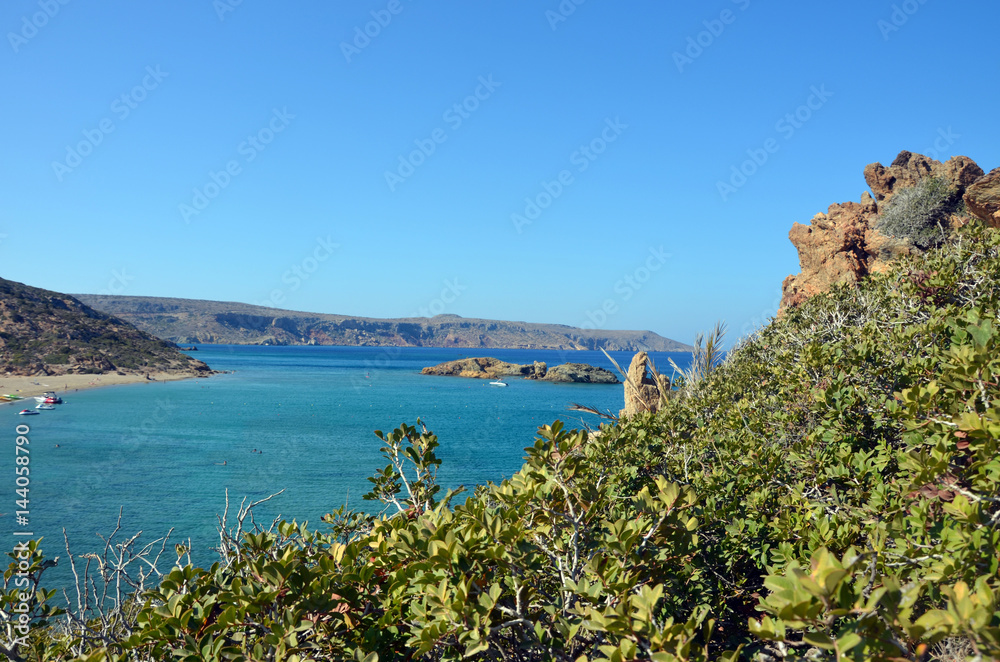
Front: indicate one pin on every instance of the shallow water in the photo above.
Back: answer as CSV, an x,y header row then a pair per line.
x,y
165,453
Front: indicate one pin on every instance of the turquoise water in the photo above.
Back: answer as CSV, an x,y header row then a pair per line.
x,y
157,450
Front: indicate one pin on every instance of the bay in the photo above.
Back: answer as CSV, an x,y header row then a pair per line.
x,y
164,454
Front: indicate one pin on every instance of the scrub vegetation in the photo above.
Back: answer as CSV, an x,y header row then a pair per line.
x,y
829,491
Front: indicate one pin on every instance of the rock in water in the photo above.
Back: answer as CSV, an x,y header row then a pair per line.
x,y
481,368
580,373
490,368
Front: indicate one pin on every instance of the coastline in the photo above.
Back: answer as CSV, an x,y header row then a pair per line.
x,y
27,387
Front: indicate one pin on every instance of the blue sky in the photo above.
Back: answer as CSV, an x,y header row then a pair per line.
x,y
542,161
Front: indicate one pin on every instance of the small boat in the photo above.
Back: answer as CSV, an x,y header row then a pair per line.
x,y
498,382
44,406
27,412
50,398
13,397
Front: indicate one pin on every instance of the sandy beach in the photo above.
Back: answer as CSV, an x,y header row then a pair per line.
x,y
63,384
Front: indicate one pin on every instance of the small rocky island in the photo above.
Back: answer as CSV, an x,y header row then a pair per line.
x,y
490,368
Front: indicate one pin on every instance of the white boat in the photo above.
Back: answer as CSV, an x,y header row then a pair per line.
x,y
498,382
44,406
27,412
49,398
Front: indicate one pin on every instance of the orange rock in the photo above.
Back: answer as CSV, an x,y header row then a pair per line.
x,y
983,198
843,246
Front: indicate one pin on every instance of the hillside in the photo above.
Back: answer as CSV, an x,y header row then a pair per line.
x,y
193,321
830,491
47,333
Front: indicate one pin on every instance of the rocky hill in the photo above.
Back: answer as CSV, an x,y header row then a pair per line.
x,y
844,245
192,321
47,333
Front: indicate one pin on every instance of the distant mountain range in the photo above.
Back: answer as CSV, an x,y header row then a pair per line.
x,y
188,321
48,333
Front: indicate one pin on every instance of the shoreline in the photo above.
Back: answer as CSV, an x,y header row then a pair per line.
x,y
28,387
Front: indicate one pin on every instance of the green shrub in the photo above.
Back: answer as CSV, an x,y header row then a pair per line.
x,y
830,491
920,213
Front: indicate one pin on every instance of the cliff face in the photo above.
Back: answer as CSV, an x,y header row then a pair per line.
x,y
843,246
47,333
189,321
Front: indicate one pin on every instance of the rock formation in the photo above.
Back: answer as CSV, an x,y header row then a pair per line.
x,y
843,246
491,368
983,198
580,373
642,389
485,368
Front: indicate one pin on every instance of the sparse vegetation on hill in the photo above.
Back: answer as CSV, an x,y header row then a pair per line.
x,y
831,491
190,321
47,333
920,213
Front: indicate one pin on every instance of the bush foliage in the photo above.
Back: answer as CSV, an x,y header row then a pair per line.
x,y
830,491
920,213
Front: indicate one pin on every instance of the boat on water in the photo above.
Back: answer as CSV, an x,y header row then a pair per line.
x,y
50,398
27,412
44,406
498,382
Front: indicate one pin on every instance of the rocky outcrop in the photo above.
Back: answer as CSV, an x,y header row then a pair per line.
x,y
642,389
580,373
484,368
843,246
491,368
983,198
908,169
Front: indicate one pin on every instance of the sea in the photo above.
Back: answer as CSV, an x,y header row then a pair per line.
x,y
160,457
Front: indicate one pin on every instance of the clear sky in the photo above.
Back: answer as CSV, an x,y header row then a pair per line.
x,y
532,160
